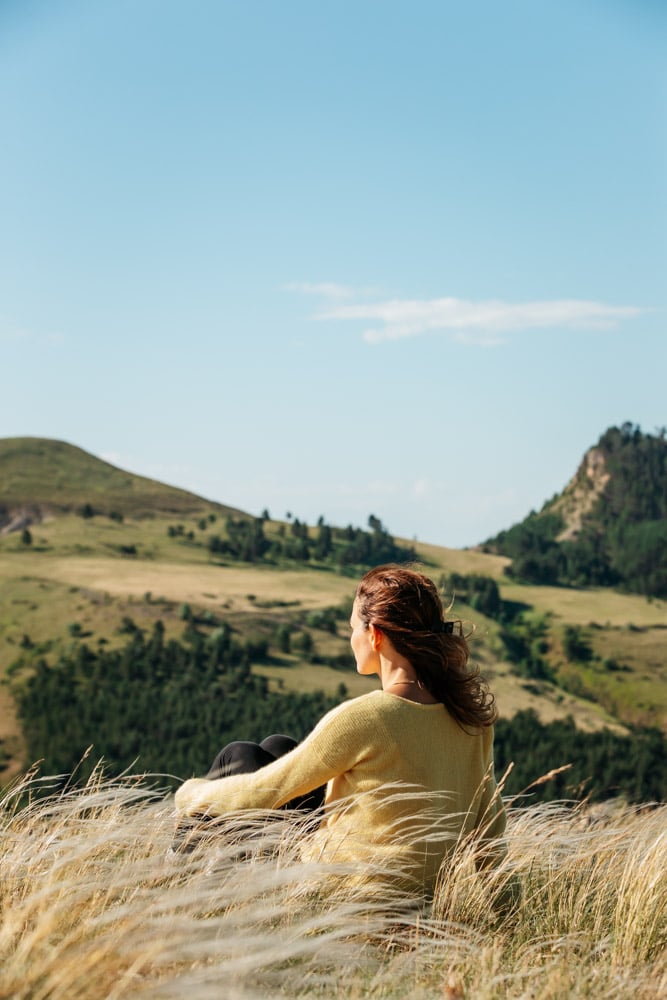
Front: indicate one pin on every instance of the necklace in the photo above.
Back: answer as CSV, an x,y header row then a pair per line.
x,y
396,683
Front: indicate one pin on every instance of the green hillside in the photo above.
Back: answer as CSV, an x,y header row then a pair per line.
x,y
609,525
42,476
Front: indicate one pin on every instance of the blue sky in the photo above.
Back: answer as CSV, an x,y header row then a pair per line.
x,y
405,258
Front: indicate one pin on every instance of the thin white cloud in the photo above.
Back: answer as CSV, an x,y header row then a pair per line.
x,y
475,322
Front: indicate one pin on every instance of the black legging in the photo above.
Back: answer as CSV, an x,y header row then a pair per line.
x,y
243,757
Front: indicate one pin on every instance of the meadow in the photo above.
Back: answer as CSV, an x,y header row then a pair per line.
x,y
93,905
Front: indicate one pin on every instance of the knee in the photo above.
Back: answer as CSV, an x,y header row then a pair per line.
x,y
240,757
278,744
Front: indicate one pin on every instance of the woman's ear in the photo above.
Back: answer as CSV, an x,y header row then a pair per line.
x,y
376,637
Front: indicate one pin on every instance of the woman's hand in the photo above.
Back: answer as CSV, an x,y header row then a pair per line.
x,y
190,797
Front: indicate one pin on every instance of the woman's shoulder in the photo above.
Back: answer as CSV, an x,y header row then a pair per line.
x,y
362,703
366,706
381,703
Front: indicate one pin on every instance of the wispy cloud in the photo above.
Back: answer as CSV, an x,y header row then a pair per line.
x,y
475,322
483,323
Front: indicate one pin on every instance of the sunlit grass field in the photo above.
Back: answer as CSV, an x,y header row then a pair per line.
x,y
92,906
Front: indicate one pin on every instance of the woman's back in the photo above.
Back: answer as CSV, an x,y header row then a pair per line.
x,y
410,782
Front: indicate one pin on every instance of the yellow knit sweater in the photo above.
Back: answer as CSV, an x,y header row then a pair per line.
x,y
404,783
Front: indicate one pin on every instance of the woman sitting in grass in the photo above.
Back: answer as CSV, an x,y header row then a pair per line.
x,y
408,769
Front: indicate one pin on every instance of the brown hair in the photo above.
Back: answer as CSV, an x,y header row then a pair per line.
x,y
406,607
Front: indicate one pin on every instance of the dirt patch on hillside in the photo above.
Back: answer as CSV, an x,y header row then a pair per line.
x,y
17,520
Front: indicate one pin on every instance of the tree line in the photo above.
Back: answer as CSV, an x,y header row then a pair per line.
x,y
165,706
600,765
341,548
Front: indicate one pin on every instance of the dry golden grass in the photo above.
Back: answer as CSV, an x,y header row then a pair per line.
x,y
465,561
92,907
205,585
581,607
304,678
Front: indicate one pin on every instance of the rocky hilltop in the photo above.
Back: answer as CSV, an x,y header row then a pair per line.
x,y
608,527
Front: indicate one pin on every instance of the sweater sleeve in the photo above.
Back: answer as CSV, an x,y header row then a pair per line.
x,y
338,742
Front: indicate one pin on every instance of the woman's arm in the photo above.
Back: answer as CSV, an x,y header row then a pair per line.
x,y
296,773
338,741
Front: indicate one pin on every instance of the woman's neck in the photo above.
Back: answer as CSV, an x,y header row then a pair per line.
x,y
401,679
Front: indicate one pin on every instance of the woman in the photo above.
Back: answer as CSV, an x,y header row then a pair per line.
x,y
408,768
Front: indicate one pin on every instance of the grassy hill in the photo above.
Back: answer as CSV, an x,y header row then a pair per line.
x,y
42,476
